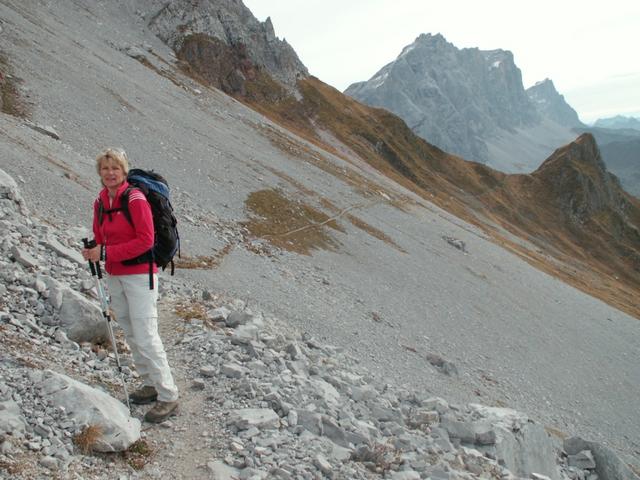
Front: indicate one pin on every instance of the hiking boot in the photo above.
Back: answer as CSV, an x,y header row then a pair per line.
x,y
146,394
161,411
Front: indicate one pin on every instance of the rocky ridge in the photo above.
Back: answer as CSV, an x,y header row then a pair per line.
x,y
232,24
261,400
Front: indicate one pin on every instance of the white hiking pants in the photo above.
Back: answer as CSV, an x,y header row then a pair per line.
x,y
135,309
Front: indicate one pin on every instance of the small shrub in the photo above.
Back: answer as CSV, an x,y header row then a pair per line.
x,y
88,438
138,454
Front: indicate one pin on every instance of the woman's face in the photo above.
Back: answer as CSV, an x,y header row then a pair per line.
x,y
111,174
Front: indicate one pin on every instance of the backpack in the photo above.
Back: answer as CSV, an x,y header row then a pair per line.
x,y
166,238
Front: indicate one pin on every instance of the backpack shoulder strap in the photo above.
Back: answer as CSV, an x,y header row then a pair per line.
x,y
124,204
100,211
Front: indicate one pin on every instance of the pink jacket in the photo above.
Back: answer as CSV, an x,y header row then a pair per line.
x,y
122,240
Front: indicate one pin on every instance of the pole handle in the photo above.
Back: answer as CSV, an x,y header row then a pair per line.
x,y
92,267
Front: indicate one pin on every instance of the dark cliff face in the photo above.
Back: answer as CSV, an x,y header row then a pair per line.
x,y
553,105
225,34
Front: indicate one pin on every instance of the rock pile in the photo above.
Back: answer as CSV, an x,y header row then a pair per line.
x,y
278,404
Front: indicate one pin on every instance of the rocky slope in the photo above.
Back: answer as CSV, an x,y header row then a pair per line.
x,y
277,404
471,103
314,237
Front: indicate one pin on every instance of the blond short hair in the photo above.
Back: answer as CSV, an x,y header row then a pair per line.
x,y
118,155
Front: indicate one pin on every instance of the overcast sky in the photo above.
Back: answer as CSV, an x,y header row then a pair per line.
x,y
588,49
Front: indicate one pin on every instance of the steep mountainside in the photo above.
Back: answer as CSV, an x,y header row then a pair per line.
x,y
320,215
484,196
469,102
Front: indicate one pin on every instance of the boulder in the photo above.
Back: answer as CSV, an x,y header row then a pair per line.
x,y
90,406
81,319
608,466
522,445
11,419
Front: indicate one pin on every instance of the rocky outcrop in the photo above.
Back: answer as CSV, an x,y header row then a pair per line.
x,y
552,105
229,38
579,181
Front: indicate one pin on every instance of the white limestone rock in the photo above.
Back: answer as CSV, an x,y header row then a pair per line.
x,y
89,406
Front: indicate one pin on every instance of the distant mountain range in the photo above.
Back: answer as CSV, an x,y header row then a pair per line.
x,y
618,122
472,103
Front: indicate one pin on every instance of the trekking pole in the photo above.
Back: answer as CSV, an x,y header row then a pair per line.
x,y
96,272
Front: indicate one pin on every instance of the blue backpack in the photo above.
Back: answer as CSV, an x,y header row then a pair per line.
x,y
166,238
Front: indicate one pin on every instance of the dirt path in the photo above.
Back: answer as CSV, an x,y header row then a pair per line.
x,y
181,446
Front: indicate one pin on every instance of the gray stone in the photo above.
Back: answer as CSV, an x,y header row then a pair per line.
x,y
235,319
608,465
11,419
45,130
208,371
405,475
89,406
23,257
221,471
233,370
463,431
583,460
74,255
81,319
323,465
262,418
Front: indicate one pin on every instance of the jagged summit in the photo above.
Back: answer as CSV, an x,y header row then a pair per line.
x,y
553,105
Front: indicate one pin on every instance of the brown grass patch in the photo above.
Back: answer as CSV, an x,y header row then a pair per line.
x,y
191,311
12,468
290,224
553,431
163,73
374,232
10,101
88,438
202,262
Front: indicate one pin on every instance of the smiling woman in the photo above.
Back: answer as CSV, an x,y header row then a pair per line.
x,y
123,229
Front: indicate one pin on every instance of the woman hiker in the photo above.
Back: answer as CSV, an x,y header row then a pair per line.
x,y
133,302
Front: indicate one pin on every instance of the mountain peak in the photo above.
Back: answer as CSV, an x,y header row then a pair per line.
x,y
578,179
553,105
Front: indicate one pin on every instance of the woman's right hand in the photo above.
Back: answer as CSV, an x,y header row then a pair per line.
x,y
92,254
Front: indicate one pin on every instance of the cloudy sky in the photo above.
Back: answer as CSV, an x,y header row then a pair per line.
x,y
588,49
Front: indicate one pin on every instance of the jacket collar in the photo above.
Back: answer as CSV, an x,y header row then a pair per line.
x,y
104,195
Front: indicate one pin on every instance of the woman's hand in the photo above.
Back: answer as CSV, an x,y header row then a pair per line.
x,y
92,254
